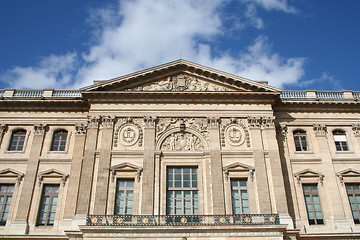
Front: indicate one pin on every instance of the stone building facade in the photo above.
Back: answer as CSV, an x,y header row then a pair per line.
x,y
179,151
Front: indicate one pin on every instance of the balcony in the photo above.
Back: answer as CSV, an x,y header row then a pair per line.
x,y
182,220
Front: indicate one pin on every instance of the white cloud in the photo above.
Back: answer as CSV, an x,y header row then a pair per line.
x,y
142,33
326,80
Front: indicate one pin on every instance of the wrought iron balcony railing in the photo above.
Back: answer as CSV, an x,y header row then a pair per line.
x,y
182,220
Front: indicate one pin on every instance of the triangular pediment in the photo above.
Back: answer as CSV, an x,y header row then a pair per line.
x,y
308,173
125,167
9,172
53,173
349,172
180,76
237,166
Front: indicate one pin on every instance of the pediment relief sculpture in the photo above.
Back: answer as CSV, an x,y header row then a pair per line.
x,y
182,82
182,141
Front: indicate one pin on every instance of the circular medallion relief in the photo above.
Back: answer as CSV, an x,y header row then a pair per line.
x,y
128,135
235,135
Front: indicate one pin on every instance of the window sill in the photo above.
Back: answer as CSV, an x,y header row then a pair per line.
x,y
304,152
344,152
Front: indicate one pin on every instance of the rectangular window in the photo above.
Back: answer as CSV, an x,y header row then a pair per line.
x,y
340,141
353,192
59,141
17,141
300,141
6,194
182,191
48,205
239,195
312,202
124,197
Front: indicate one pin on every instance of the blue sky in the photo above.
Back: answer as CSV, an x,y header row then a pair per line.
x,y
293,44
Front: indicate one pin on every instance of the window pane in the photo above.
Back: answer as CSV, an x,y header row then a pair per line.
x,y
184,199
312,202
124,196
6,192
239,195
48,205
59,141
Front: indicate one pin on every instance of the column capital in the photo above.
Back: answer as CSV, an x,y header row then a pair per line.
x,y
39,129
150,122
93,122
80,128
261,121
107,121
320,130
356,129
214,122
3,128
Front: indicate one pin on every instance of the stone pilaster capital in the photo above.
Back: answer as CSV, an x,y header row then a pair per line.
x,y
320,130
282,129
214,122
261,122
80,128
107,121
3,128
356,129
150,122
93,122
39,129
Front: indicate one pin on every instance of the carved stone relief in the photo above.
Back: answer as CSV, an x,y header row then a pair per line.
x,y
320,130
93,122
181,82
234,132
128,132
356,129
261,122
182,141
198,124
80,128
39,129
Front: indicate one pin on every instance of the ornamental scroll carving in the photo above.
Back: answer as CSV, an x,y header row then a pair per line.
x,y
128,132
198,124
182,82
234,132
182,141
39,129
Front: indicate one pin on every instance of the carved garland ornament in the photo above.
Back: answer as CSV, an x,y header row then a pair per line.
x,y
234,132
128,132
182,141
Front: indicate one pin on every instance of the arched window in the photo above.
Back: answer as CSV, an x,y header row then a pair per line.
x,y
300,140
340,140
59,140
17,140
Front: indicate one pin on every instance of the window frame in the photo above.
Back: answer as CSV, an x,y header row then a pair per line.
x,y
340,146
12,135
357,203
41,203
315,220
125,189
240,188
171,209
300,137
7,204
57,148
